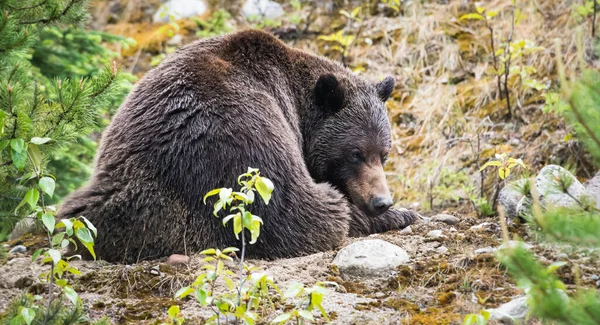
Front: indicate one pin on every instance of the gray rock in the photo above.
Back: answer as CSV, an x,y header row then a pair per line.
x,y
445,218
515,243
18,249
442,250
510,196
484,250
406,231
435,234
486,227
25,226
262,9
593,189
524,206
550,189
179,9
370,257
511,311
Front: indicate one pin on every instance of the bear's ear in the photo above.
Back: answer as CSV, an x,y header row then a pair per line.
x,y
385,88
329,94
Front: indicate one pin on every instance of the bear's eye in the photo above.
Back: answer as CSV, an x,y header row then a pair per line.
x,y
384,158
356,157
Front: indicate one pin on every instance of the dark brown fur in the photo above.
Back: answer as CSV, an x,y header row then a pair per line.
x,y
217,107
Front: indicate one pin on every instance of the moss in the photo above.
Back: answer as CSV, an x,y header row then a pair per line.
x,y
446,298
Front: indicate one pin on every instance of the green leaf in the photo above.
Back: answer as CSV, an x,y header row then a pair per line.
x,y
90,226
4,143
47,185
265,187
230,250
36,156
472,16
32,197
68,224
229,217
173,311
491,163
554,266
201,295
49,222
306,314
84,235
237,225
36,140
54,255
183,292
224,194
211,193
282,318
28,315
36,254
19,159
210,251
18,145
71,294
90,248
294,290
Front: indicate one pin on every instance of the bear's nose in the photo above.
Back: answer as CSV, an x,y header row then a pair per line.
x,y
381,204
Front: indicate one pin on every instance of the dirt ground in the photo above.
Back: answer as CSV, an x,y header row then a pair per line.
x,y
444,280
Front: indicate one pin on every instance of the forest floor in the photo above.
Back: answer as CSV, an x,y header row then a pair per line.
x,y
448,119
445,279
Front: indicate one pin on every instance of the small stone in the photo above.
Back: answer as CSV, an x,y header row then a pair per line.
x,y
179,9
445,218
514,142
435,234
406,231
442,250
511,311
484,250
178,259
595,277
175,40
154,272
371,257
562,256
452,229
380,295
598,284
486,226
262,9
18,249
515,243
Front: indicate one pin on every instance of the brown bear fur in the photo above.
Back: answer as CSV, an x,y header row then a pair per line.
x,y
213,109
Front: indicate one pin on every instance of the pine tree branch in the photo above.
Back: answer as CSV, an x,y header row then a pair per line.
x,y
28,7
53,17
64,112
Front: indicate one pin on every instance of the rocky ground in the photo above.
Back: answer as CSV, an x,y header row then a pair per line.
x,y
448,271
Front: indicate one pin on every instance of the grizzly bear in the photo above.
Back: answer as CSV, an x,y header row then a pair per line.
x,y
220,105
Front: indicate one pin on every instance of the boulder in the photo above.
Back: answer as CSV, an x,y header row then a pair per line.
x,y
372,257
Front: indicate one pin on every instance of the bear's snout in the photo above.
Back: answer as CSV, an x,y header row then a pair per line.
x,y
381,204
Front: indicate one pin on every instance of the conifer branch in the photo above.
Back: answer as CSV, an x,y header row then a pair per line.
x,y
28,7
53,17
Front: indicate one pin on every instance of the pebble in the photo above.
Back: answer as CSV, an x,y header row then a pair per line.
x,y
178,259
435,234
18,249
484,250
406,231
445,218
442,250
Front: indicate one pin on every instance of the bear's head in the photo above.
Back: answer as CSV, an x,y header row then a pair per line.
x,y
350,139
